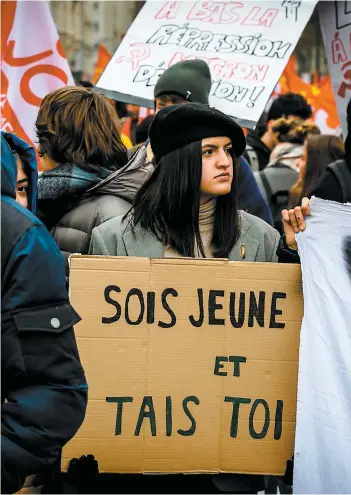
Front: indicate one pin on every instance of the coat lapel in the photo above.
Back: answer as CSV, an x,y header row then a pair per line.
x,y
246,247
142,243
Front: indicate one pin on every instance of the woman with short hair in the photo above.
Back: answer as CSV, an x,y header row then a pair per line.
x,y
82,153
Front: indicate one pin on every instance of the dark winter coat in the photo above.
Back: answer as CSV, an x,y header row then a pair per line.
x,y
260,150
43,382
71,224
250,198
329,185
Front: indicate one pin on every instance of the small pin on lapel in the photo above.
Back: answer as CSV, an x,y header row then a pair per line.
x,y
243,251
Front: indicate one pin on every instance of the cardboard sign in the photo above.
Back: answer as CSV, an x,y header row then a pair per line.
x,y
191,364
335,20
246,45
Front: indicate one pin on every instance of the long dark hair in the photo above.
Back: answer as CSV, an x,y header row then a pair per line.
x,y
168,205
321,152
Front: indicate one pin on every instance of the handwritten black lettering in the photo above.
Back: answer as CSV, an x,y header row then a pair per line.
x,y
278,423
275,312
237,321
119,401
139,295
192,429
146,411
218,366
165,305
237,360
206,41
256,309
197,323
109,300
253,433
236,401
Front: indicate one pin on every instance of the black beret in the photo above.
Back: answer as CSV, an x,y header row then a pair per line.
x,y
177,125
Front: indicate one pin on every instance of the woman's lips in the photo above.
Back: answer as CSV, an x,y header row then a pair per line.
x,y
223,177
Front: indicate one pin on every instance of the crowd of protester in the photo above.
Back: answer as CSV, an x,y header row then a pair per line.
x,y
183,182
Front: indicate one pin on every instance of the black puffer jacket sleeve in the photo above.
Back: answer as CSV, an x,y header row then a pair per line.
x,y
44,391
285,254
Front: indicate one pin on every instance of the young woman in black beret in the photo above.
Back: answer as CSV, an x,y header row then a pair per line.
x,y
188,206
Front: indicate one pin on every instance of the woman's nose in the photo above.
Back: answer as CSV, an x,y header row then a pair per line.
x,y
224,159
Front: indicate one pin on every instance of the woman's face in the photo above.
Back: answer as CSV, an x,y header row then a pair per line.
x,y
21,185
301,162
217,167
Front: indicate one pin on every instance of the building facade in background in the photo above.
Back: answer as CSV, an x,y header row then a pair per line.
x,y
83,25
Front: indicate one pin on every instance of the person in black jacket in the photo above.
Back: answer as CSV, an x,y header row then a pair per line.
x,y
335,183
44,391
260,145
84,182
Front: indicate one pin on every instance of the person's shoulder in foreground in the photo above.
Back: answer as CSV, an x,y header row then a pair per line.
x,y
43,382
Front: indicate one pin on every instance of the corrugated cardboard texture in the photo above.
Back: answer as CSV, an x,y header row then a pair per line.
x,y
168,365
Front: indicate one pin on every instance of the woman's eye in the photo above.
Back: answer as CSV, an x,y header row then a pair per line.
x,y
207,152
22,189
229,151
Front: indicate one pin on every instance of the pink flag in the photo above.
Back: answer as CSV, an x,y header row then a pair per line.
x,y
32,64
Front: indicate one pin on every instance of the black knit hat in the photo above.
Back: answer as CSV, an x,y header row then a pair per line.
x,y
190,79
177,125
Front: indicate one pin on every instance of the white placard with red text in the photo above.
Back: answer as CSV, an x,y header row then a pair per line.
x,y
246,44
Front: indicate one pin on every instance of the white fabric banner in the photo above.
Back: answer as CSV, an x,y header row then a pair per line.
x,y
335,18
246,44
323,424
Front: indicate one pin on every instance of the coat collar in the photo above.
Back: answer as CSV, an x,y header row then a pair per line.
x,y
143,243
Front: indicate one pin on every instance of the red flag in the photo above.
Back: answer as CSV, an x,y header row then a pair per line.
x,y
319,95
103,58
32,64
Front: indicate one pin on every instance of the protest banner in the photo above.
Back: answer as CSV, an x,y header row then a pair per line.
x,y
335,19
191,364
323,427
246,45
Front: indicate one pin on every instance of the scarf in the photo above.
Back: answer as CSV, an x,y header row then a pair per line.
x,y
206,223
287,154
68,181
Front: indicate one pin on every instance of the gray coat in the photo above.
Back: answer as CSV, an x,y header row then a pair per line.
x,y
115,238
